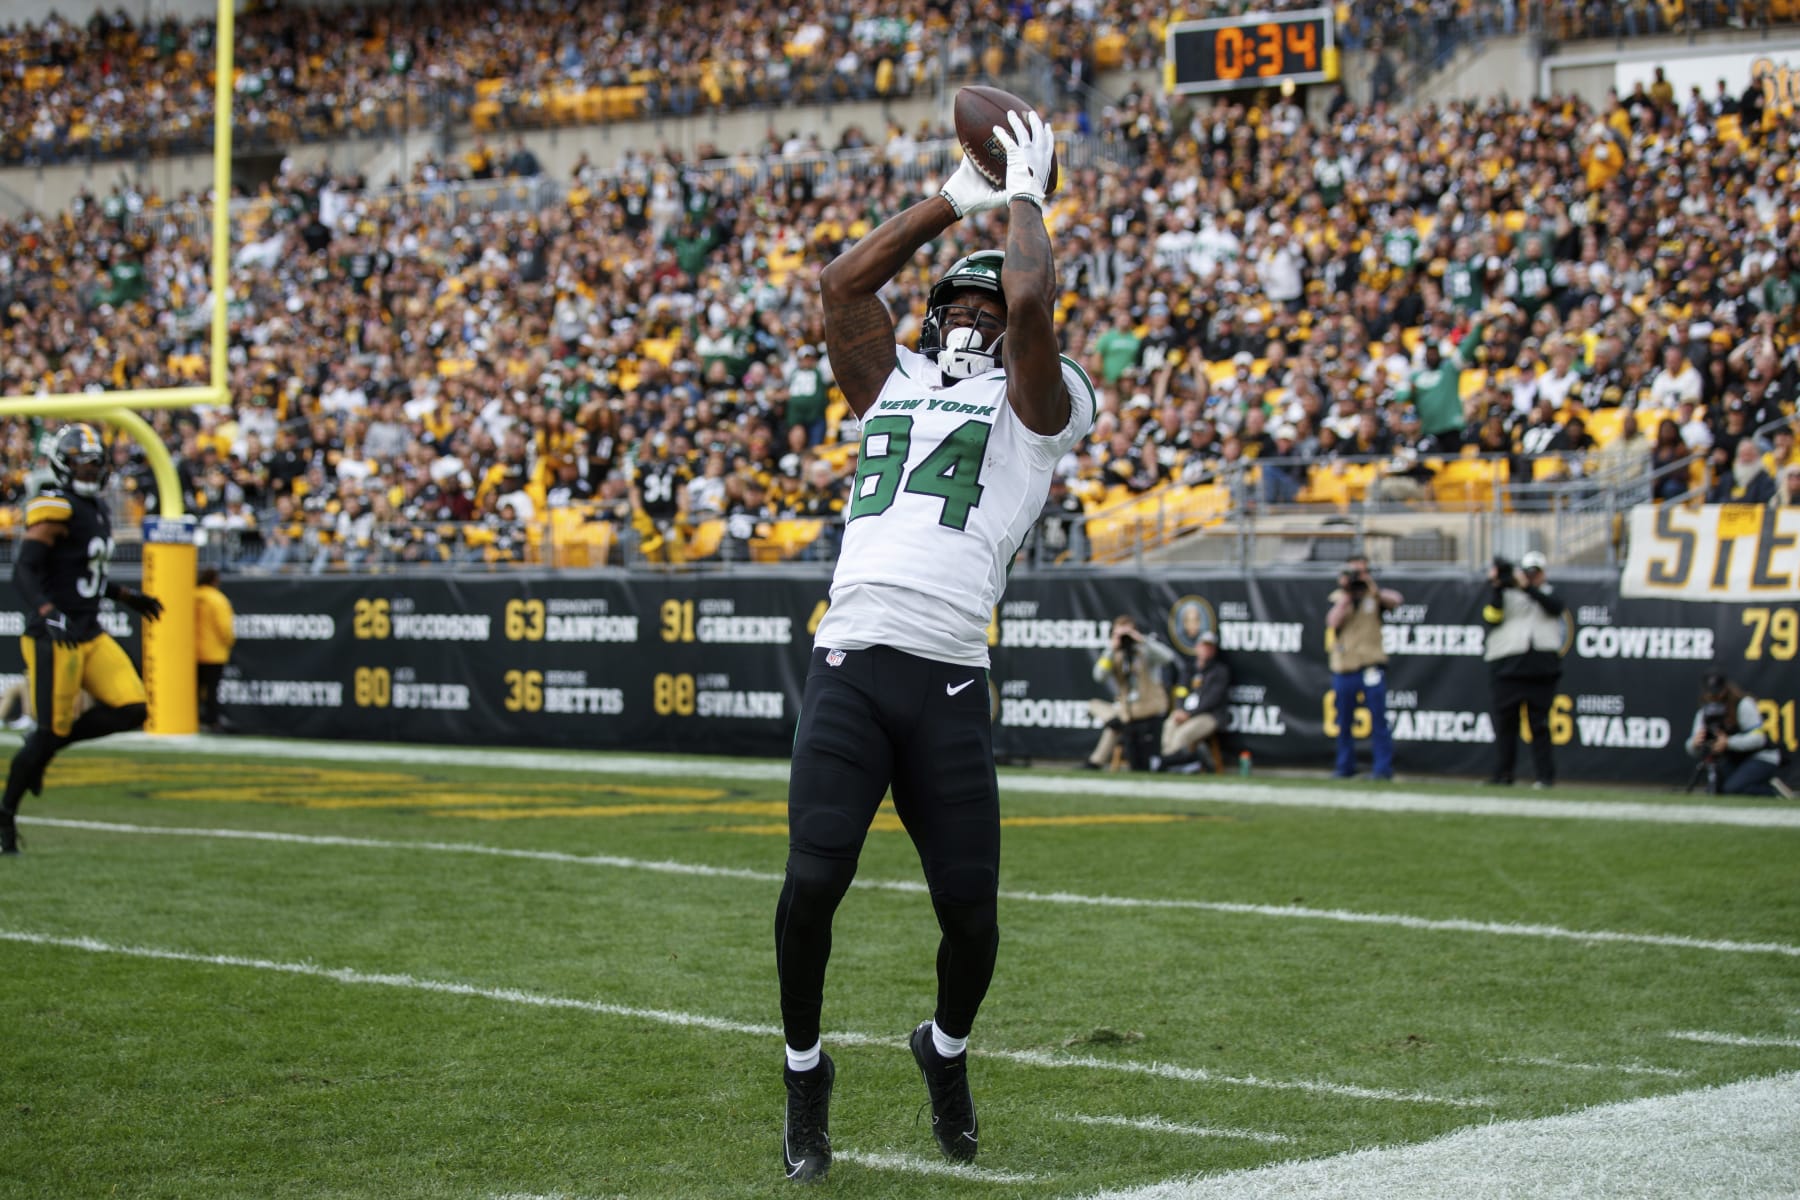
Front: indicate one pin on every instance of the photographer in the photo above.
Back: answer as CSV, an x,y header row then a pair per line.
x,y
1201,710
1524,657
1359,665
1132,666
1736,756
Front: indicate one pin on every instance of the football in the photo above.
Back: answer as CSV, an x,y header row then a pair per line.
x,y
976,111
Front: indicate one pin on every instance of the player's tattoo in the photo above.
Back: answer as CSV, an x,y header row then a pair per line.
x,y
859,333
862,348
1034,384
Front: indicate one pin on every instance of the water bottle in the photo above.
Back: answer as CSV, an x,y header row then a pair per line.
x,y
1243,762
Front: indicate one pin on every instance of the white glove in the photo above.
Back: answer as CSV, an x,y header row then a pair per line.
x,y
969,192
1030,149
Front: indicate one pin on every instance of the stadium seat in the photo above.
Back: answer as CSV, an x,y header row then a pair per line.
x,y
703,540
1603,424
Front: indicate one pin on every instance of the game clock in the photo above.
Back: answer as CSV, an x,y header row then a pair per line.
x,y
1253,50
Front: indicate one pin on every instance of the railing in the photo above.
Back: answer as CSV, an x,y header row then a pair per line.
x,y
928,162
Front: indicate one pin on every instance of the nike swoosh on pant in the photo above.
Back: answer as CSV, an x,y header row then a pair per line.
x,y
952,689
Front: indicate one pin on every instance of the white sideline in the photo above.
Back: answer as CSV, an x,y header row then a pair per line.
x,y
1280,911
1236,791
1740,1141
349,975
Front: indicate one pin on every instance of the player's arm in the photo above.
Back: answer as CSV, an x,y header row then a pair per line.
x,y
1034,379
31,576
859,331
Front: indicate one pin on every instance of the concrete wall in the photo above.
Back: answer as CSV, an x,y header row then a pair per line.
x,y
35,12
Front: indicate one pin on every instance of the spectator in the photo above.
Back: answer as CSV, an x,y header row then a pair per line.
x,y
1742,479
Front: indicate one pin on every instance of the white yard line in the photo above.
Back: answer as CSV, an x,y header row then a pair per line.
x,y
1395,800
351,976
1599,1068
1736,1142
1277,911
1733,1039
1159,1125
913,1164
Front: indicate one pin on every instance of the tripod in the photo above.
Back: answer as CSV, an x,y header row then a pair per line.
x,y
1706,769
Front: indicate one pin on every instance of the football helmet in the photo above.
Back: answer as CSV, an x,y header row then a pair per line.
x,y
964,341
78,459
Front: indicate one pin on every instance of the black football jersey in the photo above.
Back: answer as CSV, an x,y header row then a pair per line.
x,y
78,560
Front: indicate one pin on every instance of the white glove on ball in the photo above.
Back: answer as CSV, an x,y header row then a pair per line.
x,y
1030,148
969,192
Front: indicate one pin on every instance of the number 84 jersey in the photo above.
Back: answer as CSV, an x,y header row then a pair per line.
x,y
948,484
78,559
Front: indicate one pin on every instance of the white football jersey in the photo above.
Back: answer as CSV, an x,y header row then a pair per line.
x,y
948,484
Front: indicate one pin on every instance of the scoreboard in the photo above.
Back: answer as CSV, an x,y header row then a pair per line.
x,y
1253,50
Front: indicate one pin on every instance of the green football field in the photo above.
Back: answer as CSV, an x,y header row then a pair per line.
x,y
265,969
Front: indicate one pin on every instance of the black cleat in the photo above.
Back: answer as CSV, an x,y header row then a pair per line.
x,y
806,1130
953,1121
9,833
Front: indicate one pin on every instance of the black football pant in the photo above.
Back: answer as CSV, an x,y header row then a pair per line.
x,y
1536,695
881,718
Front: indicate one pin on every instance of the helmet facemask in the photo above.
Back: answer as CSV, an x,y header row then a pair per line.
x,y
78,460
967,339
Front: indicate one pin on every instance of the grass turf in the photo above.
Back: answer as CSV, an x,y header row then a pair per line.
x,y
122,1074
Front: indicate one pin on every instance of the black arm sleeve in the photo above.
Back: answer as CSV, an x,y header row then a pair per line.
x,y
1548,601
31,574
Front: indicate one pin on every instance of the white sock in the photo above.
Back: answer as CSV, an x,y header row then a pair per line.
x,y
803,1060
947,1046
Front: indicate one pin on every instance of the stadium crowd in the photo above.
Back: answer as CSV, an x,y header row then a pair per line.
x,y
114,86
1259,298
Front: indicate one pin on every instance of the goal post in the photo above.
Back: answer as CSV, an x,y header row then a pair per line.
x,y
170,557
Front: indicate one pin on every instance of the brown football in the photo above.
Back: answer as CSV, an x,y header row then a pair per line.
x,y
976,111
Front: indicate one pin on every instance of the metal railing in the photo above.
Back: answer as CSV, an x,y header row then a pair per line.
x,y
928,162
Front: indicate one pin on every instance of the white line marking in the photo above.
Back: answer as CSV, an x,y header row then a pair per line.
x,y
1737,1142
1732,1039
1159,1125
1607,1068
1033,782
927,1166
348,975
914,887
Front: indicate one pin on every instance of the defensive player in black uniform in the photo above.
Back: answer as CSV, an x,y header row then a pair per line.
x,y
61,576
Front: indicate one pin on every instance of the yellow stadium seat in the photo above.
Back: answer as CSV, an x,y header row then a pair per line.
x,y
1603,424
703,540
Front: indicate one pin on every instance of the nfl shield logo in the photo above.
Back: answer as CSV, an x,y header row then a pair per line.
x,y
834,658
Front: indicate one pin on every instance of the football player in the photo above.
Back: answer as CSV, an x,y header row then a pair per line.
x,y
958,444
61,576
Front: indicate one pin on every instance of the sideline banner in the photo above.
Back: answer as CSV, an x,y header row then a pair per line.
x,y
716,664
1732,552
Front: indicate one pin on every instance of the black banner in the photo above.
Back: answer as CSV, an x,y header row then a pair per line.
x,y
715,663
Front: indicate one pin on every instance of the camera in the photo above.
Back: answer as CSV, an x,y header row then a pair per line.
x,y
1712,718
1504,570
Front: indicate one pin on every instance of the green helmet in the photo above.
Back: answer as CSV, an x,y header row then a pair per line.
x,y
980,270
